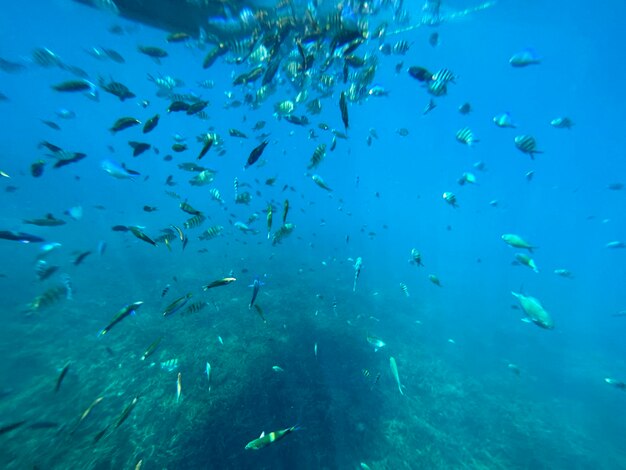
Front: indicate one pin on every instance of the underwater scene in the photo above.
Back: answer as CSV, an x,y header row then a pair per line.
x,y
324,234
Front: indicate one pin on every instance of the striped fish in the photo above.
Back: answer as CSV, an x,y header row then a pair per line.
x,y
401,47
444,75
404,289
466,136
194,221
195,307
211,232
437,88
527,144
318,155
215,195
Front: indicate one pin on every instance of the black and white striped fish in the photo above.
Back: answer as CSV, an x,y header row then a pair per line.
x,y
444,75
466,136
527,144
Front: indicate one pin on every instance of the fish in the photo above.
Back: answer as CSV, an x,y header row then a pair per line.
x,y
376,342
117,170
220,282
177,304
562,123
138,147
534,311
416,257
126,412
526,260
615,244
177,37
285,210
10,427
117,89
61,376
394,372
284,231
194,221
211,232
86,413
48,298
73,86
255,154
564,273
404,289
80,257
186,207
150,349
256,286
205,148
208,374
266,439
465,108
343,108
127,310
317,179
151,124
434,279
420,73
124,123
503,120
318,155
137,232
260,312
527,144
524,58
358,265
269,220
48,221
516,241
450,198
156,53
179,387
466,136
612,382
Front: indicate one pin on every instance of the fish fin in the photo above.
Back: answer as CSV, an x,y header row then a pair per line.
x,y
262,434
526,320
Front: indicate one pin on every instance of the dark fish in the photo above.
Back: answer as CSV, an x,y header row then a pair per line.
x,y
136,231
214,54
72,86
186,207
61,377
119,316
151,124
205,148
285,210
138,147
52,125
126,412
196,107
65,158
11,427
433,39
120,228
343,107
149,208
237,133
420,73
124,123
11,67
256,286
48,221
117,89
154,52
177,106
177,147
256,154
113,55
80,258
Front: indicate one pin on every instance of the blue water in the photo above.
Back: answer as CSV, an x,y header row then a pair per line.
x,y
463,406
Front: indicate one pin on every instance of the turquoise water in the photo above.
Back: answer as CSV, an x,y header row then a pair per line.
x,y
481,389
